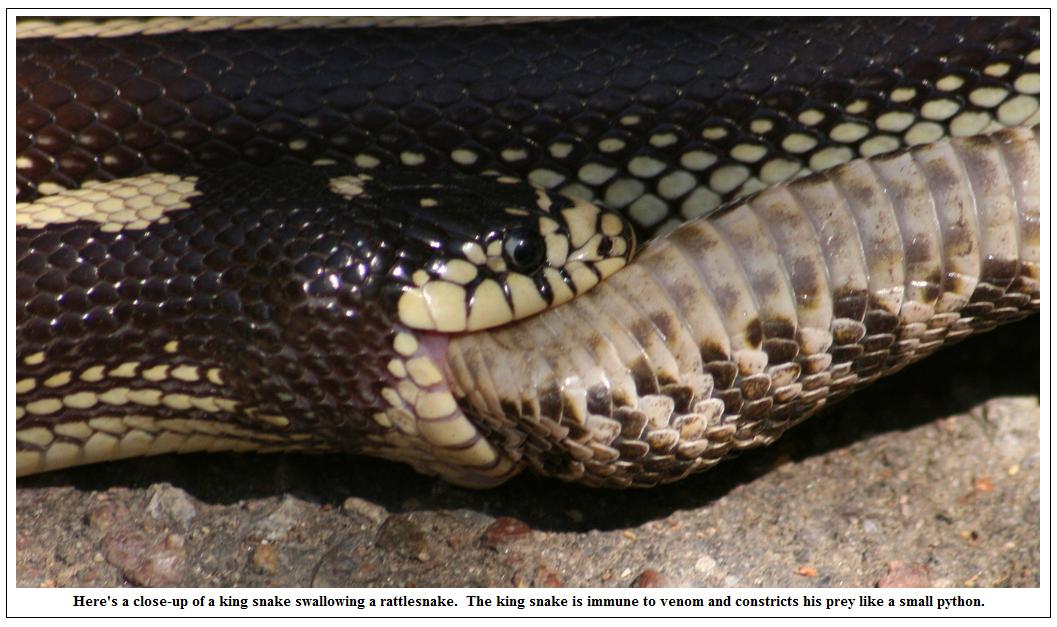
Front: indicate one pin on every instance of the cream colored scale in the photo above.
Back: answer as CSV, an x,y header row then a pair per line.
x,y
124,27
424,427
632,186
131,203
106,434
447,303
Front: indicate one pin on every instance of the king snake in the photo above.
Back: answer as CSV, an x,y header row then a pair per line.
x,y
461,245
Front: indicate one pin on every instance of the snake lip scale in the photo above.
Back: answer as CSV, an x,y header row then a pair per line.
x,y
228,240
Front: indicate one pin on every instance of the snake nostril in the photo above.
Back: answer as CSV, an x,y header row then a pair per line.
x,y
605,246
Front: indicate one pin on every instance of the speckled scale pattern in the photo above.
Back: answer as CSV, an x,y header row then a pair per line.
x,y
661,118
733,328
278,295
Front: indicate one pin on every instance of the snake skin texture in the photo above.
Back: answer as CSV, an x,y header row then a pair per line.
x,y
662,119
248,311
734,328
405,242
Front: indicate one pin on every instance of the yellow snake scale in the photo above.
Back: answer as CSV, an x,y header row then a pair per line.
x,y
609,251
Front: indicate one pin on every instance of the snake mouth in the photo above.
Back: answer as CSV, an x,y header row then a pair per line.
x,y
541,260
426,426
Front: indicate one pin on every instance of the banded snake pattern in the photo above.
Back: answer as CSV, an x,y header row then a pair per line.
x,y
301,297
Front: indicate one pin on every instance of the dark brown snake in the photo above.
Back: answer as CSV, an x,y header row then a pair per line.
x,y
411,242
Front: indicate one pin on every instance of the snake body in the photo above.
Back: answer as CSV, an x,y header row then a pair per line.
x,y
365,271
662,119
733,328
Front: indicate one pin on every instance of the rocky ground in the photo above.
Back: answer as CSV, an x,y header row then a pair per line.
x,y
930,478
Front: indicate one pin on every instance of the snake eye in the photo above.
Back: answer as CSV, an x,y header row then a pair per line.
x,y
524,250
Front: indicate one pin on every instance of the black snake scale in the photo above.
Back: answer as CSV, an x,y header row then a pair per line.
x,y
661,118
276,239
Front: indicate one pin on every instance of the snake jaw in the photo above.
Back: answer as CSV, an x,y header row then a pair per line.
x,y
545,250
424,424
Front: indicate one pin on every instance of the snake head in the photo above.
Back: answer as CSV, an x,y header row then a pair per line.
x,y
456,254
501,250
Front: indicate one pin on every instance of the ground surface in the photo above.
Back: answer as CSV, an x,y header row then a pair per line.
x,y
930,478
